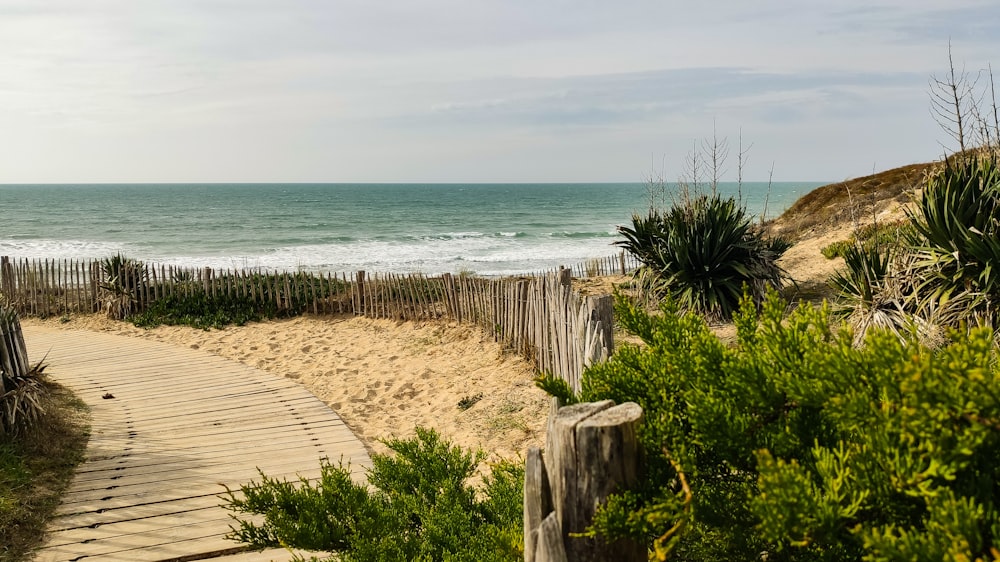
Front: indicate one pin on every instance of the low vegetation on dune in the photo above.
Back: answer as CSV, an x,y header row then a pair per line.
x,y
854,201
938,271
36,465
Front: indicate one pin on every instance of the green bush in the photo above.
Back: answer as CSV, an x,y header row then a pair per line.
x,y
190,305
894,234
703,251
36,466
418,506
794,444
199,310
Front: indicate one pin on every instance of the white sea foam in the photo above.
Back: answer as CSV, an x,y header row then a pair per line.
x,y
491,230
61,249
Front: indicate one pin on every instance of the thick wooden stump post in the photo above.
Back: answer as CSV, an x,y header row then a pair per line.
x,y
592,451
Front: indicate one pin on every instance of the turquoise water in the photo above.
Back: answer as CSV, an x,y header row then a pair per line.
x,y
489,229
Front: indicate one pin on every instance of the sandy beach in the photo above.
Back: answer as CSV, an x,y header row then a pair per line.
x,y
385,378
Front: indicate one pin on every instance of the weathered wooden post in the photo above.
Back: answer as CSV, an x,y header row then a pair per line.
x,y
592,451
598,319
206,280
13,353
565,276
96,280
359,303
7,279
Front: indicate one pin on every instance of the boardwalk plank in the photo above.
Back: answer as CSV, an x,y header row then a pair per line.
x,y
181,426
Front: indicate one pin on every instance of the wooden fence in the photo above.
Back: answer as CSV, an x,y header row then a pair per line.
x,y
13,354
538,316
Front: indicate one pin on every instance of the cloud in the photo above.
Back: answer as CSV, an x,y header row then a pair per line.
x,y
265,89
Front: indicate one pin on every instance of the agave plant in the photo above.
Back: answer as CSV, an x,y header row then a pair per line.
x,y
875,292
867,267
23,404
958,218
122,279
941,270
706,250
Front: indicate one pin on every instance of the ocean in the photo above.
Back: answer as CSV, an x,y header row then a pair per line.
x,y
487,229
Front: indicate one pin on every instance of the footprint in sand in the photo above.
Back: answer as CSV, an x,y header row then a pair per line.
x,y
307,348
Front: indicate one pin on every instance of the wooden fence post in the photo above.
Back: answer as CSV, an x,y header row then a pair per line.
x,y
599,319
359,303
6,278
13,354
592,451
206,279
565,276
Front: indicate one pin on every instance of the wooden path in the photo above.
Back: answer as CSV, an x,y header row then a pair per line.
x,y
170,428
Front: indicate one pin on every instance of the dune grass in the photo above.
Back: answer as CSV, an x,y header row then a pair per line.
x,y
35,469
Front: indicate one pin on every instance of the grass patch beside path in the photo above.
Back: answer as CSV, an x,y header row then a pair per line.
x,y
35,469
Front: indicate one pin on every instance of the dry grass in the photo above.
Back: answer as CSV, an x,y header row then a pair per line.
x,y
35,469
857,200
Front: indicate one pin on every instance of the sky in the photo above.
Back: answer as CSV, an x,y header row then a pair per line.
x,y
473,90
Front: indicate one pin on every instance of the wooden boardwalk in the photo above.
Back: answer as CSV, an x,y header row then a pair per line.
x,y
170,428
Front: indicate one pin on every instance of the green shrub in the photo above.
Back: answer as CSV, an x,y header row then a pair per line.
x,y
190,305
199,310
418,506
36,466
891,235
794,444
704,250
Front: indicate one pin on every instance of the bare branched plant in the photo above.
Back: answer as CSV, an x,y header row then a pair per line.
x,y
742,157
656,186
767,196
715,153
952,101
689,184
